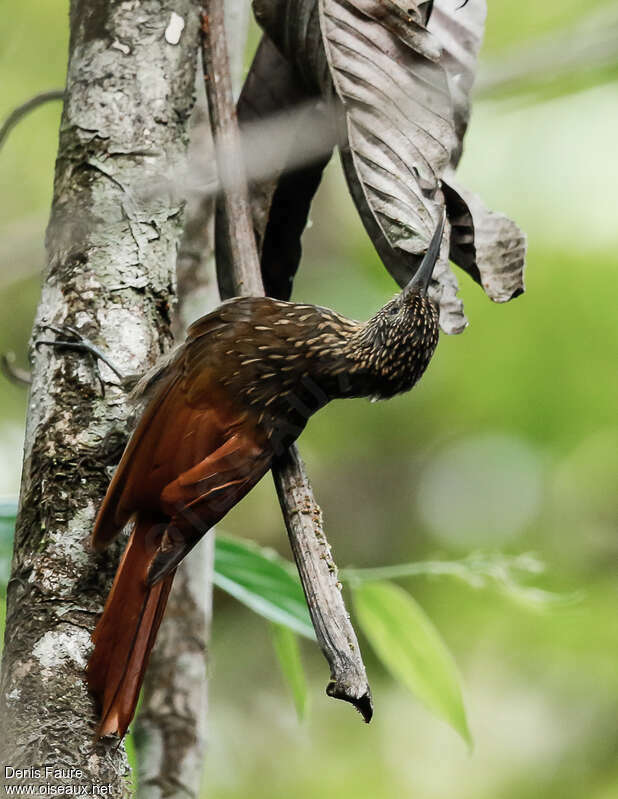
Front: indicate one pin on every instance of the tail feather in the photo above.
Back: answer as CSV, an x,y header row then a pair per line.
x,y
126,631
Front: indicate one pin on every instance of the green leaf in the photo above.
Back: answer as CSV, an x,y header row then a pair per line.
x,y
2,621
8,512
261,580
412,649
288,654
130,749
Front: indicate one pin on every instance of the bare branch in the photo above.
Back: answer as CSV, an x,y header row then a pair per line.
x,y
238,239
301,511
17,114
20,377
582,53
318,572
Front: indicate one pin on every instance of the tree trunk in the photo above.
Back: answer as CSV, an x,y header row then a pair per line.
x,y
112,243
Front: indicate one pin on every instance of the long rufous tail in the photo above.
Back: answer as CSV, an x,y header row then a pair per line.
x,y
126,632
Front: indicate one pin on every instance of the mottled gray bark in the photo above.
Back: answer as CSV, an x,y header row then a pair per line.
x,y
171,729
112,243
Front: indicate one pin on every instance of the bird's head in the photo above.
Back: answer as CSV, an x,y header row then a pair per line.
x,y
410,307
401,338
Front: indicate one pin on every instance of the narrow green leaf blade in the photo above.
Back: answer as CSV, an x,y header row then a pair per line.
x,y
129,745
2,621
411,648
288,654
8,513
262,581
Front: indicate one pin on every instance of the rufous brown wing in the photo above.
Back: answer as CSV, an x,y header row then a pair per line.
x,y
238,391
184,468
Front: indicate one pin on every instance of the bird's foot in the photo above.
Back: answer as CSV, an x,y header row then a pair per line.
x,y
74,340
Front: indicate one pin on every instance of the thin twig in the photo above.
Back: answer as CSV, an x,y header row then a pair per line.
x,y
301,512
582,51
20,377
24,109
234,202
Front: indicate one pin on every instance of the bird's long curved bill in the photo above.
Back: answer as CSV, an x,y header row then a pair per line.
x,y
423,274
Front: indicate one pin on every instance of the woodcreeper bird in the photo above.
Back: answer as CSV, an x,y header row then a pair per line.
x,y
234,395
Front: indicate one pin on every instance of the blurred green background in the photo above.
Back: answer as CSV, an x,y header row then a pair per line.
x,y
509,444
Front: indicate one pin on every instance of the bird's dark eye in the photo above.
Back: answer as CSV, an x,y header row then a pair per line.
x,y
393,310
